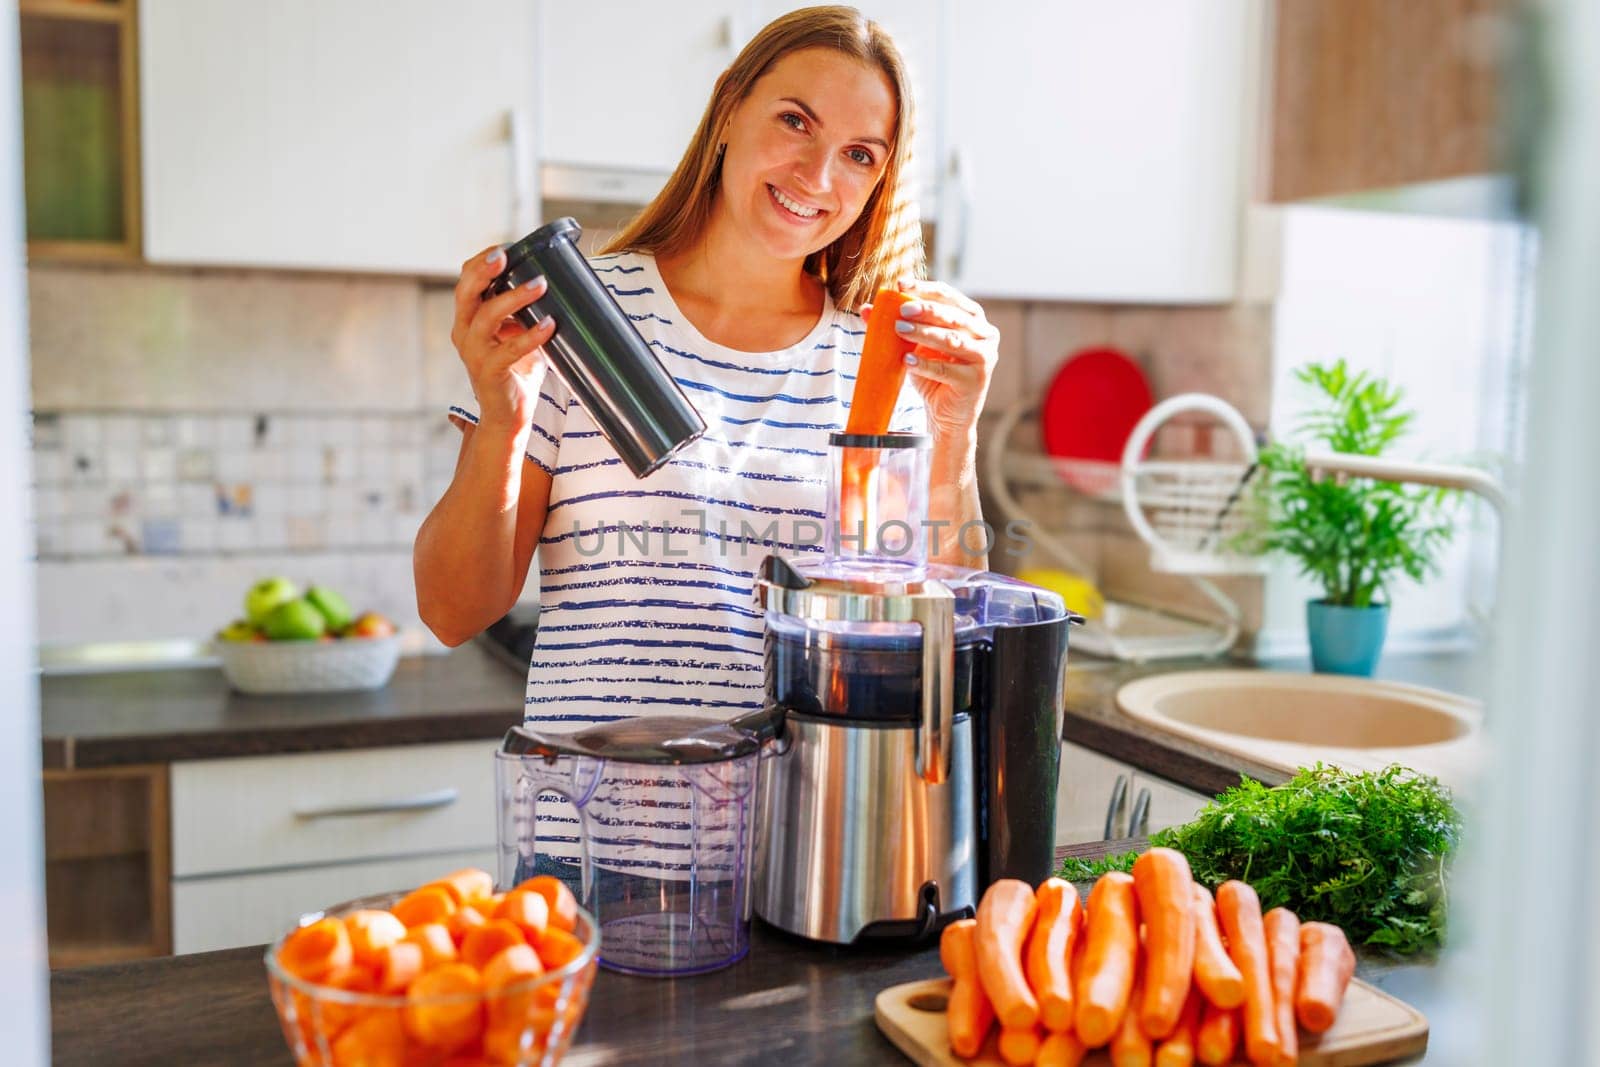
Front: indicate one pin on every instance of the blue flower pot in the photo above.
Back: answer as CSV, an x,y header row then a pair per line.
x,y
1346,640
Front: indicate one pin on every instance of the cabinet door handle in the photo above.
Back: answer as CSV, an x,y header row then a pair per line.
x,y
959,175
1139,821
1119,800
440,798
519,152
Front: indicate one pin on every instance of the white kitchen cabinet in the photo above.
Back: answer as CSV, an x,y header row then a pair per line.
x,y
1095,151
252,909
623,85
1096,791
917,27
373,135
291,833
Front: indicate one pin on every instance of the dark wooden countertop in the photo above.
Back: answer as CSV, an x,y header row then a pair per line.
x,y
789,1001
158,716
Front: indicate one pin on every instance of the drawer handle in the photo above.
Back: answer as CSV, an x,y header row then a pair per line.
x,y
441,798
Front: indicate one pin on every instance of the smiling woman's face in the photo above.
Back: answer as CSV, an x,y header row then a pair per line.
x,y
805,150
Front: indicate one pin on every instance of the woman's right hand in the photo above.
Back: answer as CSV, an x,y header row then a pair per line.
x,y
504,359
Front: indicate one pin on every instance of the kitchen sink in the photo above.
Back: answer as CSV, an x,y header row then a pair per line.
x,y
1291,720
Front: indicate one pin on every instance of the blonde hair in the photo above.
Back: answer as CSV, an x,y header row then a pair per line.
x,y
881,246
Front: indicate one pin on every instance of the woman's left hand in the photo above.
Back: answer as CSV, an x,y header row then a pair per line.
x,y
953,361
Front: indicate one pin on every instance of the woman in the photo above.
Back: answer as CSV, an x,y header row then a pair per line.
x,y
745,275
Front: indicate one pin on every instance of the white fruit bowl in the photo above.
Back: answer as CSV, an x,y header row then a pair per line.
x,y
344,663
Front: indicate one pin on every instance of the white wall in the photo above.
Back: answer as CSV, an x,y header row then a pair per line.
x,y
24,1012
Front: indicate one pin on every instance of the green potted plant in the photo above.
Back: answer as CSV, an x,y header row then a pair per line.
x,y
1353,536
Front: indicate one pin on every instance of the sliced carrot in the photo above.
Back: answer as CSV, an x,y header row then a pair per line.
x,y
1130,1045
557,948
1326,966
488,941
337,1015
1005,917
317,949
444,1008
1019,1046
1218,1037
1048,956
370,931
514,964
1240,911
968,1013
430,904
529,910
466,918
504,1044
882,370
1178,1049
1214,971
377,1040
1060,1049
1282,927
438,947
1165,889
469,883
399,965
563,905
1106,972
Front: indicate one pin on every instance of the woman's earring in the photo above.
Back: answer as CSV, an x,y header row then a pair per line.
x,y
721,150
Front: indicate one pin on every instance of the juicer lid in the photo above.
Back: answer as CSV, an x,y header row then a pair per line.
x,y
657,739
983,599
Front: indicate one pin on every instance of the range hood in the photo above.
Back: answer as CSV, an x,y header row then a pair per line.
x,y
599,185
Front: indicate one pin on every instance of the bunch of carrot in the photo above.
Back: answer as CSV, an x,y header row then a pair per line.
x,y
1152,968
454,963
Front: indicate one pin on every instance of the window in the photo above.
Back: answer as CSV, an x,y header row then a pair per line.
x,y
1441,307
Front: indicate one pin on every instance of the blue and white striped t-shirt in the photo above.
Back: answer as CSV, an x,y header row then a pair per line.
x,y
659,618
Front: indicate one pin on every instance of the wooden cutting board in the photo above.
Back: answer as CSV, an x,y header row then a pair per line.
x,y
1372,1027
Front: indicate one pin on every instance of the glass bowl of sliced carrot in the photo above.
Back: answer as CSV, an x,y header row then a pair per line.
x,y
451,973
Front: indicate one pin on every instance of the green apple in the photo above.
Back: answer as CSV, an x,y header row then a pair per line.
x,y
295,620
266,595
237,630
335,609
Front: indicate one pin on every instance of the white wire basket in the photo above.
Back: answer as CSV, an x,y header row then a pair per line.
x,y
1192,513
345,663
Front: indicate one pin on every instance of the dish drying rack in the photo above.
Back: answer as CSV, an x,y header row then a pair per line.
x,y
1190,512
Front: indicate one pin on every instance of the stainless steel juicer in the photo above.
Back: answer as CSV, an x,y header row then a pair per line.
x,y
913,721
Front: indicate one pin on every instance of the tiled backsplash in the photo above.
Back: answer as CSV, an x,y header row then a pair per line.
x,y
121,484
197,429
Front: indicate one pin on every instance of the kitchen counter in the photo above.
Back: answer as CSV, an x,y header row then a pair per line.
x,y
790,1001
158,716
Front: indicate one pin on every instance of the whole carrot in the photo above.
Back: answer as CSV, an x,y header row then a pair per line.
x,y
1214,972
1240,911
1130,1046
1178,1049
883,366
968,1014
1060,1049
1165,889
1111,946
1019,1046
1048,956
1005,918
1326,966
1283,956
1218,1037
